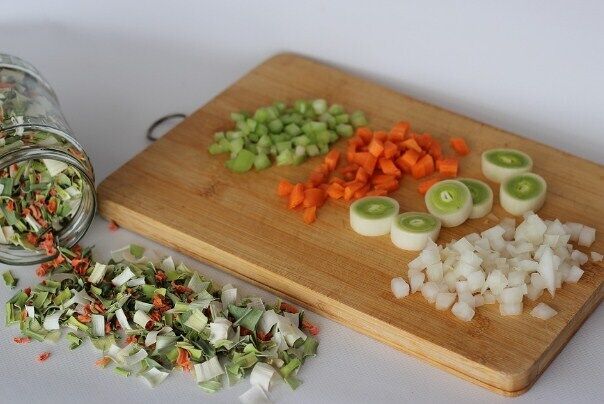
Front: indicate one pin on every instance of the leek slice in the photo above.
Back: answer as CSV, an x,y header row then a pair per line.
x,y
500,164
373,215
450,201
482,197
412,230
522,193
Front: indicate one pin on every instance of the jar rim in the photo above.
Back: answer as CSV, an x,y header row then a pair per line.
x,y
16,63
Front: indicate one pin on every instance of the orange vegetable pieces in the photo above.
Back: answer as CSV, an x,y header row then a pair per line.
x,y
361,192
398,133
310,214
331,159
313,197
380,135
387,166
366,160
365,134
377,192
362,175
423,167
284,188
459,145
408,159
351,188
390,149
296,197
424,186
411,144
335,190
448,167
376,147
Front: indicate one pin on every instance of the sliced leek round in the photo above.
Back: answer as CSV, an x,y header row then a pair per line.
x,y
450,201
482,197
373,215
412,230
522,193
500,164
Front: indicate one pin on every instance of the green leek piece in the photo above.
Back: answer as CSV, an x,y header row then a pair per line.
x,y
74,340
9,280
122,371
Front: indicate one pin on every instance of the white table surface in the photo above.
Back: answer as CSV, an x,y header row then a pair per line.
x,y
534,69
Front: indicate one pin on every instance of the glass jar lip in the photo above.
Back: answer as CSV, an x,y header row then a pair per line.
x,y
32,152
16,63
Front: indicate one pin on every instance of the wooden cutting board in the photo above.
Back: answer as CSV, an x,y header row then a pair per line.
x,y
175,193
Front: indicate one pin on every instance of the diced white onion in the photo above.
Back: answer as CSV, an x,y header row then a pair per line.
x,y
445,300
574,275
399,287
587,236
417,280
510,309
543,311
429,291
596,257
462,311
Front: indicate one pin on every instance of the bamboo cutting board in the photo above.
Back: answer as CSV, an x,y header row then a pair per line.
x,y
174,192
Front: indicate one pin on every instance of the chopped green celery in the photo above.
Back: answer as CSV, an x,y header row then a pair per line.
x,y
264,141
281,146
342,118
344,130
261,115
280,137
243,162
293,129
307,128
272,113
318,126
293,382
251,147
261,162
275,126
299,159
273,150
336,109
7,186
280,105
309,347
62,296
297,118
75,323
286,119
251,124
40,299
323,148
237,145
333,136
286,157
323,137
312,150
245,316
328,119
301,106
358,119
319,106
252,137
231,135
218,136
261,130
238,116
302,140
9,279
216,148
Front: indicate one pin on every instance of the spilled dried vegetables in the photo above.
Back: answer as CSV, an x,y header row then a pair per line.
x,y
149,318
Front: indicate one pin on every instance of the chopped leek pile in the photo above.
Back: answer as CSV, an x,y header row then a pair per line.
x,y
289,134
37,198
150,318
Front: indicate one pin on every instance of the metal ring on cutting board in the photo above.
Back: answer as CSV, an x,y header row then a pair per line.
x,y
161,120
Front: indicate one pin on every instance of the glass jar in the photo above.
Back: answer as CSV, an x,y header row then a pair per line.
x,y
47,193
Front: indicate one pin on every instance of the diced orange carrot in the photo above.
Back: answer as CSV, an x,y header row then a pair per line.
x,y
350,152
335,190
408,159
436,150
459,145
356,141
362,175
424,141
377,192
313,197
423,167
316,177
448,167
376,147
399,132
284,188
382,178
428,161
296,197
337,180
361,192
388,167
350,168
388,186
390,149
332,158
380,135
351,188
425,185
310,214
366,160
365,134
412,144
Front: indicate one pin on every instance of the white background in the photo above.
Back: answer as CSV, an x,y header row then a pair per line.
x,y
535,68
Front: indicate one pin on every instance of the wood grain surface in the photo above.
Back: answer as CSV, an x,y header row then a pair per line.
x,y
174,192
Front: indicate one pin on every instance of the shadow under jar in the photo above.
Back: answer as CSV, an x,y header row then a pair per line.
x,y
47,193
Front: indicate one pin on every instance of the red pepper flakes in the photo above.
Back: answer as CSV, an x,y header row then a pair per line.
x,y
290,308
21,340
113,226
312,329
43,356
